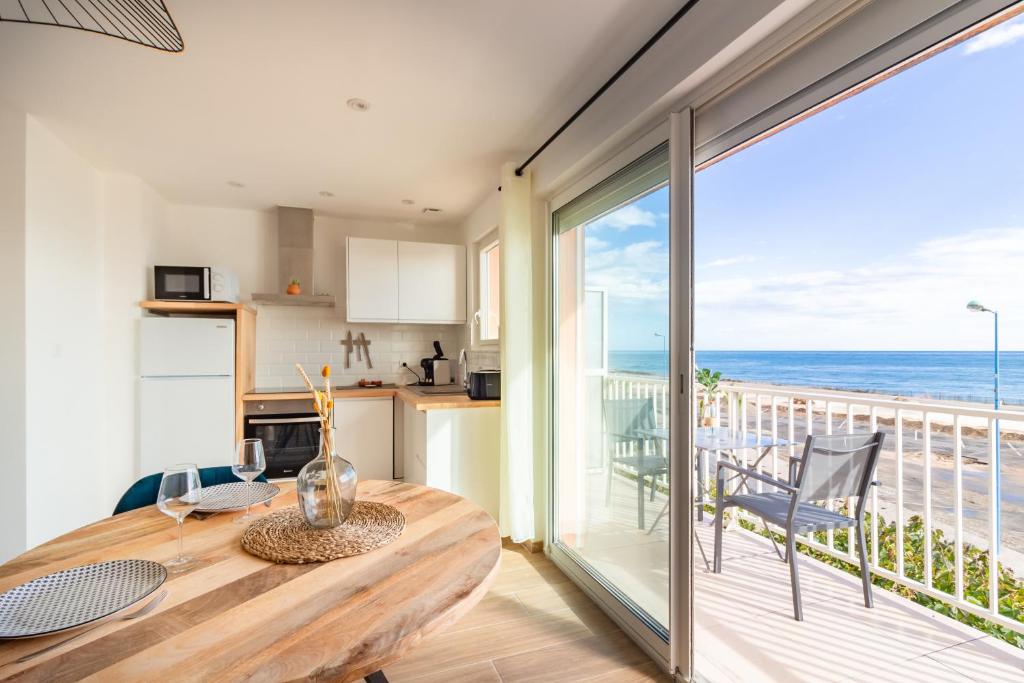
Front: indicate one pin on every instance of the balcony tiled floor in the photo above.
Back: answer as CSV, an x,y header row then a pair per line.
x,y
743,621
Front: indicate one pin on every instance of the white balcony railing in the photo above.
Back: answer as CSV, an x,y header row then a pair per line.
x,y
936,465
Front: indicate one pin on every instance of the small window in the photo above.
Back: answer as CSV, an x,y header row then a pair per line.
x,y
489,294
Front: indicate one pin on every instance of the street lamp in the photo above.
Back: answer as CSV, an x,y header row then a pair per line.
x,y
976,307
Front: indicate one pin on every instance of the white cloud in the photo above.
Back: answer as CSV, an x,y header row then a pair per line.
x,y
629,216
1000,36
915,300
596,243
638,271
731,261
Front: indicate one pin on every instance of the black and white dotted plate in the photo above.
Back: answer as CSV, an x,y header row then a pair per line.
x,y
74,597
223,497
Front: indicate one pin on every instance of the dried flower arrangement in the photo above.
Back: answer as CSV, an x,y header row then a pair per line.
x,y
323,403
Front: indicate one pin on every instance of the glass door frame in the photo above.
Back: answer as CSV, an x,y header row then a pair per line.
x,y
671,649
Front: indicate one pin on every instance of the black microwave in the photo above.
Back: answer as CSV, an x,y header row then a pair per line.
x,y
194,283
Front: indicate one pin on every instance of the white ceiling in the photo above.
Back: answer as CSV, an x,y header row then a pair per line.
x,y
456,87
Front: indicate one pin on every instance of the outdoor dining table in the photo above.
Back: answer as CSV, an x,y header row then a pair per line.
x,y
238,617
710,440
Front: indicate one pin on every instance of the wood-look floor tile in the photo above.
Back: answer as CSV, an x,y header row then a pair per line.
x,y
644,673
494,609
581,659
548,598
521,578
453,649
481,672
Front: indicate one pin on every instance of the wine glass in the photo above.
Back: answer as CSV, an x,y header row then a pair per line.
x,y
180,493
249,464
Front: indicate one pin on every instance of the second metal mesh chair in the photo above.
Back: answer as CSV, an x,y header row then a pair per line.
x,y
836,466
625,423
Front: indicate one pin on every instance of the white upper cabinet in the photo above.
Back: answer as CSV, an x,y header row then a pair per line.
x,y
431,282
371,286
412,282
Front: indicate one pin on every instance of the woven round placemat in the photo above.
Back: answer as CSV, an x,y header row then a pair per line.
x,y
284,536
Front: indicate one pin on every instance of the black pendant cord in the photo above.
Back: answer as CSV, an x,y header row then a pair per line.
x,y
687,6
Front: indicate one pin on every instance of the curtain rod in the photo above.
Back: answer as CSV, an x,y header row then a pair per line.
x,y
611,81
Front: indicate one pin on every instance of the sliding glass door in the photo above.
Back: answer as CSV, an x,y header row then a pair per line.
x,y
612,401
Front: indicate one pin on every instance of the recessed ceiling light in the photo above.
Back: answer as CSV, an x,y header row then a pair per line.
x,y
431,209
326,193
235,183
358,104
408,202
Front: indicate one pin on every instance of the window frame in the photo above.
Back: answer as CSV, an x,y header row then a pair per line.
x,y
481,247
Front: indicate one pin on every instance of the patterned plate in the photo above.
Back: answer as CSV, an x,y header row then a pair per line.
x,y
231,496
77,596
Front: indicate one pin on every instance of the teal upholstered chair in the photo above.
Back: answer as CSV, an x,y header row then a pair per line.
x,y
144,491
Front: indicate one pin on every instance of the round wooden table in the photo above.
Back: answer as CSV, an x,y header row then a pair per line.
x,y
234,616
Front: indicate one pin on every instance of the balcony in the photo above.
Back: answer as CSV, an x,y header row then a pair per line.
x,y
936,484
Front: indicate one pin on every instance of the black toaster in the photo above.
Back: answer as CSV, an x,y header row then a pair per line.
x,y
484,385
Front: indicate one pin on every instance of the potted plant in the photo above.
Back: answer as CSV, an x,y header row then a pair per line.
x,y
708,405
294,288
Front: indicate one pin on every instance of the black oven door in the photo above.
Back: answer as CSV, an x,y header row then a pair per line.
x,y
181,283
289,441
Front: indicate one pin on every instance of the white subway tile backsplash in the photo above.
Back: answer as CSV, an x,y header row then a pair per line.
x,y
285,336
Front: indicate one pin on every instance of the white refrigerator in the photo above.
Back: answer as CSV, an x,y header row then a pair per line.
x,y
187,392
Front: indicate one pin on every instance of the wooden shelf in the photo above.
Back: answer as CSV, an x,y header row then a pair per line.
x,y
194,307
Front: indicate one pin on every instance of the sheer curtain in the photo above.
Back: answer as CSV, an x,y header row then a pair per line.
x,y
517,409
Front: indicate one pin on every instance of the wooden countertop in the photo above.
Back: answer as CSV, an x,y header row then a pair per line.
x,y
235,617
193,307
411,398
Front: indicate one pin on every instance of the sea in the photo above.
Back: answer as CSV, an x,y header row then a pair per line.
x,y
948,375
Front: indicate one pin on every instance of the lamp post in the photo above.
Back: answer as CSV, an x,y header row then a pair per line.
x,y
976,307
664,348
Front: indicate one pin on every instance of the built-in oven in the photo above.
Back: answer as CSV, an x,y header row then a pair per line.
x,y
290,435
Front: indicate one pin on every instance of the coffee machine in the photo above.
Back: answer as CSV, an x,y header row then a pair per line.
x,y
437,370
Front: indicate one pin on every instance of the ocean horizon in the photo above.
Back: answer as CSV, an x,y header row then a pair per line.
x,y
949,375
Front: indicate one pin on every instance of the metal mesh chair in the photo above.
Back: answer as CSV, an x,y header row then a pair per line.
x,y
625,420
837,466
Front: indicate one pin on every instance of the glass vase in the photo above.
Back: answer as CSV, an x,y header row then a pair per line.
x,y
326,486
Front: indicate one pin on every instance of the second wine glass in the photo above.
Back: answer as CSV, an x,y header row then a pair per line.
x,y
180,493
249,464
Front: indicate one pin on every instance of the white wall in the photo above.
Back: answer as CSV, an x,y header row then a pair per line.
x,y
74,249
63,338
133,216
12,336
242,240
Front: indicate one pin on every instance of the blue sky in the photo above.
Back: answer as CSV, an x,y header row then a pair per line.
x,y
867,226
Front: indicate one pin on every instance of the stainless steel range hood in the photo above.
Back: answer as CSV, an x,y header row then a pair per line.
x,y
294,261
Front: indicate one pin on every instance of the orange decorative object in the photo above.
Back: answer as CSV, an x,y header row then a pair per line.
x,y
294,288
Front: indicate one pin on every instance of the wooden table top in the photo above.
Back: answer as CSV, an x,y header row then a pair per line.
x,y
235,616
